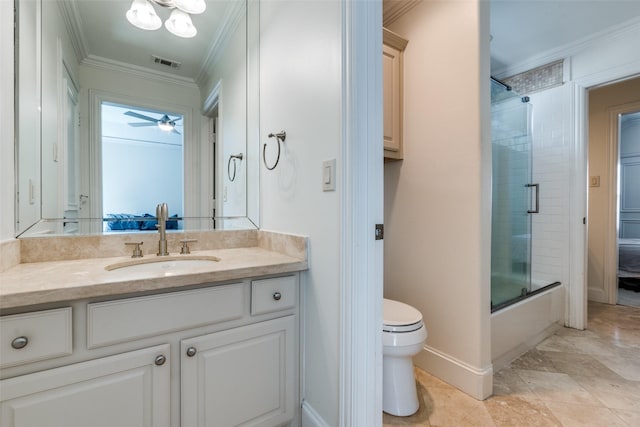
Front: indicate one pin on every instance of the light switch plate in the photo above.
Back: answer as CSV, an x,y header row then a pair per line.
x,y
329,175
594,181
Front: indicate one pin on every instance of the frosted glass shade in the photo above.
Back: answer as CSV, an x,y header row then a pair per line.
x,y
179,24
193,7
142,15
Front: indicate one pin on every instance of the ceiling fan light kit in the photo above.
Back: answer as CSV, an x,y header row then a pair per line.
x,y
142,15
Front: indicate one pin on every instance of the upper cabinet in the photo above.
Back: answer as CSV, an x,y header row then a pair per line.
x,y
392,58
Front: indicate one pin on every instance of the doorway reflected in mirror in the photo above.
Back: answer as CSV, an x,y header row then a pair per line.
x,y
142,165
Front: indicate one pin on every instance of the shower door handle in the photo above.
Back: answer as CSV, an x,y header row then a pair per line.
x,y
537,208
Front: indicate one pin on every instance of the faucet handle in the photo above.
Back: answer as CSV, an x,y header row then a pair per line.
x,y
137,252
185,246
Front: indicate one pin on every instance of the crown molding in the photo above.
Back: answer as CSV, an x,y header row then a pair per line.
x,y
73,23
137,71
392,10
569,49
232,19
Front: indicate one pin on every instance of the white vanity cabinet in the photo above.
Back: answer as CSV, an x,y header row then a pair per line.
x,y
125,390
243,376
235,361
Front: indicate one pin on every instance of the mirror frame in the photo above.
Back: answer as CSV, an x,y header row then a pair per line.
x,y
41,226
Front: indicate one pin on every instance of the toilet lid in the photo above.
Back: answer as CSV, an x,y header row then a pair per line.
x,y
400,317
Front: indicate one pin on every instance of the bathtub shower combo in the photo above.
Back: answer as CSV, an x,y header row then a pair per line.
x,y
515,199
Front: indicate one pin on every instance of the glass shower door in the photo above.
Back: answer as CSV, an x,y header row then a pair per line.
x,y
511,196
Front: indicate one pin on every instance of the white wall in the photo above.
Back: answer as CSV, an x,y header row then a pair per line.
x,y
7,190
301,93
437,200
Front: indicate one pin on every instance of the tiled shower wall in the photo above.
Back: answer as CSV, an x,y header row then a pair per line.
x,y
552,170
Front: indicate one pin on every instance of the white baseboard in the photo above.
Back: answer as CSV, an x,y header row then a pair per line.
x,y
596,294
478,383
310,417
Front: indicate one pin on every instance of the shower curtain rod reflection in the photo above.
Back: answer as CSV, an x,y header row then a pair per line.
x,y
506,86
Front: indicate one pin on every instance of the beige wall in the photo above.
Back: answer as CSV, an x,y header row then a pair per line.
x,y
437,224
601,102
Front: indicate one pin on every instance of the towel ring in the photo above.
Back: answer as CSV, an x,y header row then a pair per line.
x,y
233,157
280,137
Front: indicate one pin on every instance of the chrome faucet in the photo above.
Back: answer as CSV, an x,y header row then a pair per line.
x,y
162,213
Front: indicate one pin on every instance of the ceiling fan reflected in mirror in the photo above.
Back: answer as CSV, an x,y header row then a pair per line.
x,y
165,122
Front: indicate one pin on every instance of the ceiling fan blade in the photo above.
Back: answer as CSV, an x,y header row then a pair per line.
x,y
175,131
140,116
137,125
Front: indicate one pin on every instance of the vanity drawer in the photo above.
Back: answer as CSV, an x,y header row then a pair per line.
x,y
269,295
35,336
129,319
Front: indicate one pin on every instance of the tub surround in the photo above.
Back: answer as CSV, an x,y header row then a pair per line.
x,y
41,271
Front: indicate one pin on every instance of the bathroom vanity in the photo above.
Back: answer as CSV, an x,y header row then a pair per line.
x,y
215,346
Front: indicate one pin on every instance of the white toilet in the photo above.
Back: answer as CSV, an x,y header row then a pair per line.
x,y
403,335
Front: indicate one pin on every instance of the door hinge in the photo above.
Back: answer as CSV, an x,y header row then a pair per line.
x,y
379,231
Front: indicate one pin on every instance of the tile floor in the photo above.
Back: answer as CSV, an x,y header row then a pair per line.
x,y
573,378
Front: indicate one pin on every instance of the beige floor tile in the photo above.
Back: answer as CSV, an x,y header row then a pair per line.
x,y
535,360
575,364
557,343
620,394
631,418
557,387
507,382
574,378
576,415
451,407
509,411
625,366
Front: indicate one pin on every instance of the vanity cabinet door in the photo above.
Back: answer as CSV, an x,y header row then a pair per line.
x,y
240,377
392,78
126,390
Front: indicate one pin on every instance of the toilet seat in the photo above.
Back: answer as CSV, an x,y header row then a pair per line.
x,y
400,317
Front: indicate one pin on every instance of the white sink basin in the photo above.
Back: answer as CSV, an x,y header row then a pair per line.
x,y
165,265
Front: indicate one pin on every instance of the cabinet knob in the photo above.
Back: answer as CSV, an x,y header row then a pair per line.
x,y
160,360
191,351
20,342
277,296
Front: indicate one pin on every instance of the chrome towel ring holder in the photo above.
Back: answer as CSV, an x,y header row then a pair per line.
x,y
233,157
280,137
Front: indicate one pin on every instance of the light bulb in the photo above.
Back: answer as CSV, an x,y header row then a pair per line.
x,y
142,15
166,126
179,23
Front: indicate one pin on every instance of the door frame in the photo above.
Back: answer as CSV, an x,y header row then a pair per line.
x,y
611,243
577,293
362,208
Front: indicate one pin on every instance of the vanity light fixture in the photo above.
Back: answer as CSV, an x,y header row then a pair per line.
x,y
142,15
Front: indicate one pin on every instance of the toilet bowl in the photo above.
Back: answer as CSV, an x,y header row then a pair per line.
x,y
403,335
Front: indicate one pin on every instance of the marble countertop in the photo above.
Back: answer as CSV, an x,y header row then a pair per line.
x,y
55,281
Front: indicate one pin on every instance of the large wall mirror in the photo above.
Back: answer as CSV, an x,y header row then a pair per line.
x,y
113,119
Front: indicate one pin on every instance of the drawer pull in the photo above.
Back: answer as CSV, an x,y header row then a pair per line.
x,y
277,296
191,351
20,342
160,360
